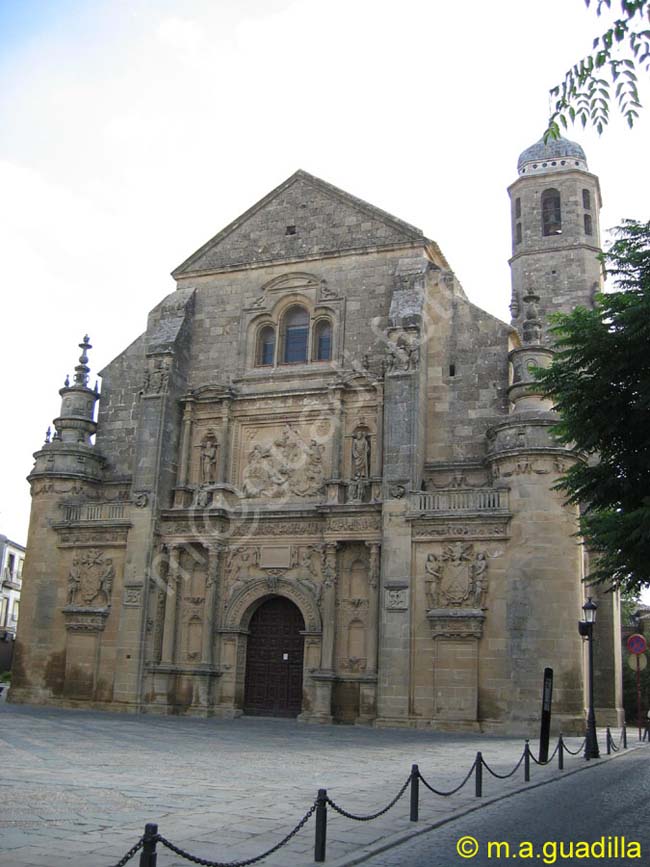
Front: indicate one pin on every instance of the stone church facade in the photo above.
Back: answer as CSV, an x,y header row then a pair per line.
x,y
320,485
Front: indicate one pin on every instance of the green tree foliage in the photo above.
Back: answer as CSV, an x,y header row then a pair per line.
x,y
600,383
585,94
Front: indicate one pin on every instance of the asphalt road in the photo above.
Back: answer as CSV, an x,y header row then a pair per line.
x,y
598,804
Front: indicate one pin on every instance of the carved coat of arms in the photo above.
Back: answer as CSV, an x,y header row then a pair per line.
x,y
457,578
90,581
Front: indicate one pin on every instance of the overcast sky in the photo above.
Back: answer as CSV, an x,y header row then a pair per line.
x,y
131,132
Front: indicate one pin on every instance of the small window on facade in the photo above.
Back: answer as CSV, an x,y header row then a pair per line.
x,y
291,230
517,208
323,341
452,370
518,233
588,225
266,346
296,336
586,200
551,213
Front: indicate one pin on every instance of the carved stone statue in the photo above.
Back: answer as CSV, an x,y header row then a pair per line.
x,y
208,461
360,454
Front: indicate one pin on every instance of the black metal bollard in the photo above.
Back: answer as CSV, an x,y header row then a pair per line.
x,y
560,753
320,843
415,793
527,763
624,736
148,856
478,765
608,741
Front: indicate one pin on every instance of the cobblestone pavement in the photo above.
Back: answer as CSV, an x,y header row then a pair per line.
x,y
78,786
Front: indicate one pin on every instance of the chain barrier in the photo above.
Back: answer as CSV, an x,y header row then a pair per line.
x,y
376,815
451,791
549,759
504,776
207,863
123,860
579,750
151,836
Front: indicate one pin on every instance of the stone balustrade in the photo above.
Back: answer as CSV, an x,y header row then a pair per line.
x,y
460,500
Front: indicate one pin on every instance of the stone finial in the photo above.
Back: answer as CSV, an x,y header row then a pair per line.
x,y
532,324
66,382
82,369
48,435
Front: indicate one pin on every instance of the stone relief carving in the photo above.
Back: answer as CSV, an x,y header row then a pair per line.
x,y
397,600
90,579
457,577
157,377
240,562
474,530
403,357
288,466
308,573
132,597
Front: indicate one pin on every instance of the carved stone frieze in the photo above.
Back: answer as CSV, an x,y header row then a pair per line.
x,y
469,530
94,537
279,528
355,665
85,619
456,622
353,524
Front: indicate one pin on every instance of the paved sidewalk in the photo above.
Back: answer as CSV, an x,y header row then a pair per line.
x,y
78,786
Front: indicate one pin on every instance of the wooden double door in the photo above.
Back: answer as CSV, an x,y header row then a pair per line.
x,y
274,660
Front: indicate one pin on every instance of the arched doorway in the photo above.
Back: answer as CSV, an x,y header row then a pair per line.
x,y
274,660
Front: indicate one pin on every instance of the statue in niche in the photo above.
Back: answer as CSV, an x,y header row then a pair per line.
x,y
208,459
360,465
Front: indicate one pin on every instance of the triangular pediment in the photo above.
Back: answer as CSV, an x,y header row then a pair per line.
x,y
303,218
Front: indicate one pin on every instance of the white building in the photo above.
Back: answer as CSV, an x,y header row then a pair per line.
x,y
12,556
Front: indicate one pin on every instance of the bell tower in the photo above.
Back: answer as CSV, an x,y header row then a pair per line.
x,y
555,208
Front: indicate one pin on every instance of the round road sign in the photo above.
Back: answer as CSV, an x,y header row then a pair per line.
x,y
637,644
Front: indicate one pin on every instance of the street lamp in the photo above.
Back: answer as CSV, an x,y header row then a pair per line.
x,y
586,629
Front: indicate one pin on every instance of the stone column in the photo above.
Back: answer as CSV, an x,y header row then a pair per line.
x,y
337,433
186,437
328,606
225,441
211,596
373,606
171,605
378,457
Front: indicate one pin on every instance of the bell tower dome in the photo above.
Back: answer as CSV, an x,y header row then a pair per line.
x,y
555,207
